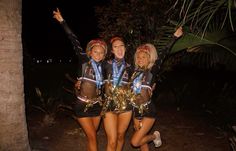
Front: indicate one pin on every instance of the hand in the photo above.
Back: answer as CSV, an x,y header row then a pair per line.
x,y
108,89
179,32
153,87
57,15
78,84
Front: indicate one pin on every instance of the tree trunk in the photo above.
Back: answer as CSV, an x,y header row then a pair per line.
x,y
13,127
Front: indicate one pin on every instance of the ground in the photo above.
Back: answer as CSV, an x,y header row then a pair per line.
x,y
181,130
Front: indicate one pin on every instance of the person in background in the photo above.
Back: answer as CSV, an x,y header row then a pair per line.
x,y
88,104
117,110
147,66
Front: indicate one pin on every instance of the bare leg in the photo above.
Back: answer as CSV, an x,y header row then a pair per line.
x,y
123,123
110,126
140,137
96,121
88,124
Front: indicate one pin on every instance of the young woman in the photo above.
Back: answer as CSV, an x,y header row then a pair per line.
x,y
117,111
147,65
88,104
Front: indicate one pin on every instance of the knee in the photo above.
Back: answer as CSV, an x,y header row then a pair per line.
x,y
134,142
120,136
112,144
92,137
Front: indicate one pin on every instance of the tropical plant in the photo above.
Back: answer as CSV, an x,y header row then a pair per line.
x,y
206,15
209,31
206,23
50,105
233,139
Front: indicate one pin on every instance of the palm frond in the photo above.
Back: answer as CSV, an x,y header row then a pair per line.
x,y
202,14
203,57
189,41
230,14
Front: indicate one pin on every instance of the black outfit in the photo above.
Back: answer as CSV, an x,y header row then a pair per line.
x,y
148,79
87,76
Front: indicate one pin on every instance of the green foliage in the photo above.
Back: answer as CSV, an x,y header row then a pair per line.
x,y
207,15
207,22
209,34
192,42
50,105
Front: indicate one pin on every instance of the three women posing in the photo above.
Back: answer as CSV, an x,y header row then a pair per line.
x,y
115,75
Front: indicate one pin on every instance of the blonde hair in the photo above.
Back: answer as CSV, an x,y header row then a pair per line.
x,y
96,42
148,49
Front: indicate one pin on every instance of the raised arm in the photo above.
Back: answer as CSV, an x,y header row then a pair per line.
x,y
177,34
161,56
73,38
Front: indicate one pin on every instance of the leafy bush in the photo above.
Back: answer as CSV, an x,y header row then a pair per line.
x,y
50,105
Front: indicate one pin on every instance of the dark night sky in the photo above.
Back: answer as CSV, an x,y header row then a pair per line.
x,y
43,36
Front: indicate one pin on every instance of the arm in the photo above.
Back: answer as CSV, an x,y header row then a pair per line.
x,y
73,38
161,56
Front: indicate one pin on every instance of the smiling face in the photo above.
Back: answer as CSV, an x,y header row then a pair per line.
x,y
145,56
97,53
118,49
142,59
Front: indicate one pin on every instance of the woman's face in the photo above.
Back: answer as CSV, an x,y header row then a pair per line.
x,y
97,53
118,49
142,59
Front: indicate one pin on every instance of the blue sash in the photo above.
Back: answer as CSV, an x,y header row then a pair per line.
x,y
98,73
117,73
137,84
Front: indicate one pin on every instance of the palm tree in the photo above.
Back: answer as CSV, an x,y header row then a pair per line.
x,y
209,31
13,128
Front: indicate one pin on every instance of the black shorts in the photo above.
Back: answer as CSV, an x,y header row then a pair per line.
x,y
150,112
92,111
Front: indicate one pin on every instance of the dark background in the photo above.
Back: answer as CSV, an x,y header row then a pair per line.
x,y
43,36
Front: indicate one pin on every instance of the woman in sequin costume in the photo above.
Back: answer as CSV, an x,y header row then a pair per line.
x,y
90,77
117,111
147,65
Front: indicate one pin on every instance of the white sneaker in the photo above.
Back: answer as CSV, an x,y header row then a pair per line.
x,y
157,141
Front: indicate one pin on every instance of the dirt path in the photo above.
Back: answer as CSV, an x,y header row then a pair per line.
x,y
180,131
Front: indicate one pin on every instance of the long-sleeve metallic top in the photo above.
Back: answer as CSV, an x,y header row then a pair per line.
x,y
86,71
